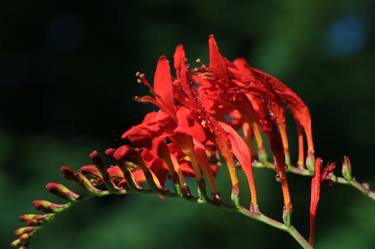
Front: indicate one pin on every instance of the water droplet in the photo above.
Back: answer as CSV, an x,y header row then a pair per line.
x,y
277,177
286,167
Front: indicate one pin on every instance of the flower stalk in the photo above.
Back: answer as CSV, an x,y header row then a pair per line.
x,y
220,114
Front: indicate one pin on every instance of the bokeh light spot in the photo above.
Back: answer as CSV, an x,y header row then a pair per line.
x,y
346,36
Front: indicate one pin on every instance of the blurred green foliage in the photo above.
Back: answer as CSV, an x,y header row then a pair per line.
x,y
66,85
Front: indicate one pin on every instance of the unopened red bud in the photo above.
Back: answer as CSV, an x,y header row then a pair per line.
x,y
125,153
35,219
346,169
90,170
74,175
28,217
49,207
96,158
109,152
99,163
23,230
24,237
121,152
62,191
68,172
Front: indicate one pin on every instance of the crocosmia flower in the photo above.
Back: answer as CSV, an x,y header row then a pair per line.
x,y
223,114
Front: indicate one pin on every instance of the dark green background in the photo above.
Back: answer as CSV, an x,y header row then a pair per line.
x,y
66,85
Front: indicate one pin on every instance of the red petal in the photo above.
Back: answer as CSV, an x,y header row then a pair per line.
x,y
139,176
244,72
314,199
115,172
200,153
176,151
125,152
163,87
188,125
241,151
182,71
315,187
298,108
153,125
179,58
187,169
90,170
217,62
156,165
327,170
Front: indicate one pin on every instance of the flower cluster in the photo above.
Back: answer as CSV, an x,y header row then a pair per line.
x,y
216,111
209,115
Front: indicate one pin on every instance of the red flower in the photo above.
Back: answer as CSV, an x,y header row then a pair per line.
x,y
298,108
320,176
227,89
202,110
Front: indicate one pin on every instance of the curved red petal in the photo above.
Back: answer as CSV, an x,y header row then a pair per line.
x,y
179,58
163,87
242,152
217,61
186,124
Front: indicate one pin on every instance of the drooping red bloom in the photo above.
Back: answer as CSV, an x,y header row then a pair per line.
x,y
220,108
320,176
296,105
226,89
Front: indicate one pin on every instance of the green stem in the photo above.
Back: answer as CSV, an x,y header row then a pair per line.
x,y
276,224
354,183
336,179
299,238
253,215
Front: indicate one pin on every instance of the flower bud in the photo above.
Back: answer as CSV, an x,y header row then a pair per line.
x,y
49,207
28,217
346,169
76,176
125,153
99,163
23,230
16,243
35,219
109,152
62,191
24,237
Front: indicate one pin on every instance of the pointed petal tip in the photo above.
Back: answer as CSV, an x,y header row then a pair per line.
x,y
179,57
180,46
124,135
163,58
212,40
